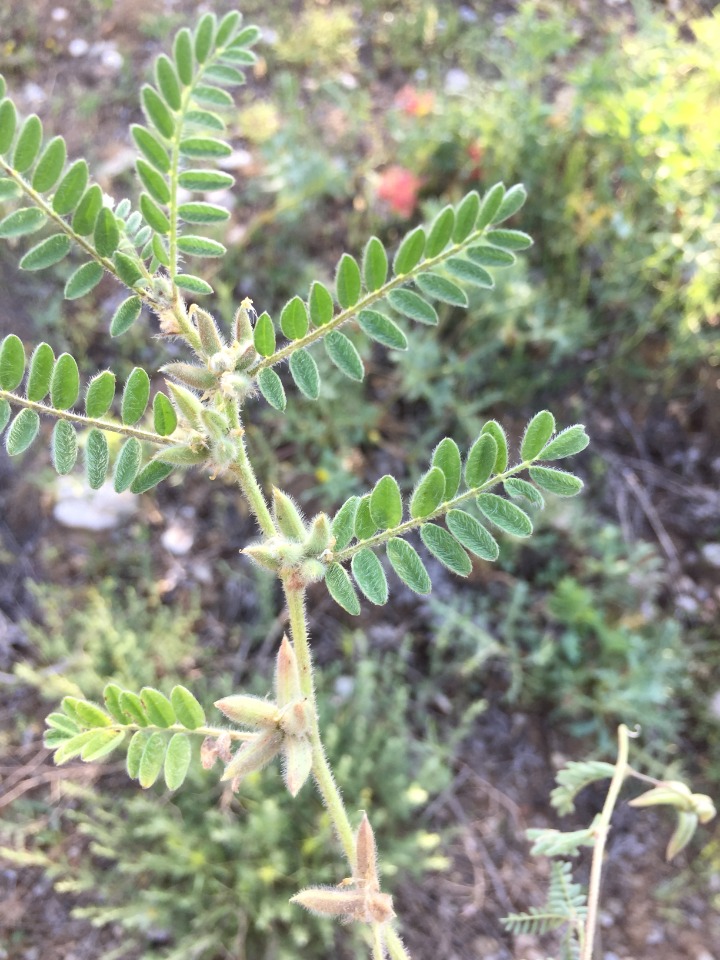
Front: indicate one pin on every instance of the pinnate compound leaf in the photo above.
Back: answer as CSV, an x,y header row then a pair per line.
x,y
272,389
505,515
294,319
83,280
407,564
441,232
304,372
348,283
343,354
64,447
40,372
264,335
568,442
50,165
22,432
382,329
445,548
48,252
150,476
151,762
71,188
177,761
466,216
158,708
65,382
97,458
481,460
411,305
374,264
472,535
135,396
127,464
537,433
409,252
490,206
370,576
343,525
428,494
386,503
27,145
22,222
514,198
12,362
559,482
187,709
125,316
440,288
493,428
341,589
164,416
447,457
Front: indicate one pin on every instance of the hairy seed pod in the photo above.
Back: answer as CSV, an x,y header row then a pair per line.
x,y
249,711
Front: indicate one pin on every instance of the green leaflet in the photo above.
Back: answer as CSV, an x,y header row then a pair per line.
x,y
294,319
27,145
106,235
411,305
206,180
440,288
472,535
153,181
187,709
204,35
22,222
9,190
183,56
111,696
12,362
382,329
559,482
567,443
158,708
370,576
386,504
365,525
125,316
151,761
186,281
71,188
64,447
321,304
135,396
343,525
201,212
151,148
505,515
5,411
127,464
131,704
264,335
305,373
470,272
444,547
480,460
102,743
64,383
150,476
86,212
206,93
343,354
490,256
341,589
348,283
498,434
83,280
198,148
154,216
97,459
157,112
50,165
466,216
447,457
509,239
100,394
440,233
49,251
271,388
409,252
490,206
514,198
164,416
200,246
128,268
519,489
167,81
428,494
408,566
8,122
177,761
136,747
537,433
374,264
22,432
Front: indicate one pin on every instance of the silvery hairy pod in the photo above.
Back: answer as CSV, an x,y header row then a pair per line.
x,y
287,515
319,537
253,755
249,711
190,375
210,339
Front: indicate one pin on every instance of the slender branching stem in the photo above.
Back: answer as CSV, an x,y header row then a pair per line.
x,y
602,829
242,468
378,945
342,555
83,421
396,948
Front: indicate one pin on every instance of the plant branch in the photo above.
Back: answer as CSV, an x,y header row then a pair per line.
x,y
242,468
83,421
179,728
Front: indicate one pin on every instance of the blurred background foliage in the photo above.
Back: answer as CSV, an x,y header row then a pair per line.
x,y
368,117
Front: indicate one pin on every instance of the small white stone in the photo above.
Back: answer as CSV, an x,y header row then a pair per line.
x,y
78,47
178,539
59,14
456,81
34,93
80,508
711,554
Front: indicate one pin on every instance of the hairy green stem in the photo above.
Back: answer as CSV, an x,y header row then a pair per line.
x,y
83,421
179,728
242,468
602,829
396,948
415,522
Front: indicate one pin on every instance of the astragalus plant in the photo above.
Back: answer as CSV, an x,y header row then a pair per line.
x,y
197,421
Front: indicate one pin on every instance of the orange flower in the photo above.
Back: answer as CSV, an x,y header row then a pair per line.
x,y
415,103
399,187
